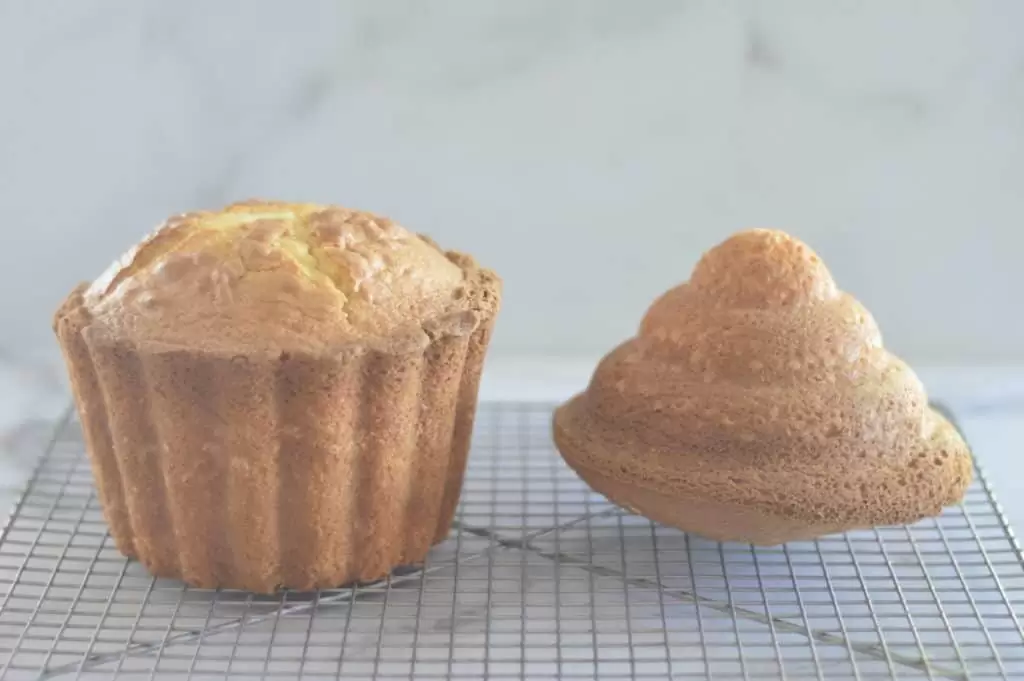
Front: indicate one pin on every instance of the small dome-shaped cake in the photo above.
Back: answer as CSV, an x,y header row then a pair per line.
x,y
757,404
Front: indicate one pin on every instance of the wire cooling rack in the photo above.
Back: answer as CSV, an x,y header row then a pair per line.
x,y
540,579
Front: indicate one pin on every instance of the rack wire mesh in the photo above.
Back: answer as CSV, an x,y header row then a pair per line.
x,y
540,578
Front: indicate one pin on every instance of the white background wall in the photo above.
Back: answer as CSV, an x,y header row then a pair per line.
x,y
588,151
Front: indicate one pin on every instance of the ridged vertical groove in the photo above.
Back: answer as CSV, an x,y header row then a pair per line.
x,y
318,404
246,394
390,424
192,435
465,412
429,476
138,450
69,324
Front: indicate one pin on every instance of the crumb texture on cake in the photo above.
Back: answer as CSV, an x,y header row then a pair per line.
x,y
289,275
759,384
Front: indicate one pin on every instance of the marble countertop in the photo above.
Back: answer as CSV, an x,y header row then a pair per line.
x,y
988,403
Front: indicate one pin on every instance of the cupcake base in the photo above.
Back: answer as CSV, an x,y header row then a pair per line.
x,y
292,471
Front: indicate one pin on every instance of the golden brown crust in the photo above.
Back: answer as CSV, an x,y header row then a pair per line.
x,y
277,460
758,384
267,276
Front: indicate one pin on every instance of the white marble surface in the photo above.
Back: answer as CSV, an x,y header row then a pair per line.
x,y
587,150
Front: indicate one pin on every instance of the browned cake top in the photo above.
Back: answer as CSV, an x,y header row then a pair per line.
x,y
759,346
271,276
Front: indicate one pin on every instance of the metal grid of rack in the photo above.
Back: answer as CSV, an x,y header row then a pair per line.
x,y
541,578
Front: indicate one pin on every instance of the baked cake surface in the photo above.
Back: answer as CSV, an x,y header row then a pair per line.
x,y
263,276
757,403
279,394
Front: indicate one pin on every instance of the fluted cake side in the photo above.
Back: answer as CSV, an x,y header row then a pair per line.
x,y
347,465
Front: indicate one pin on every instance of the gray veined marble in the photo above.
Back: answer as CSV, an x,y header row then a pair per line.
x,y
623,138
